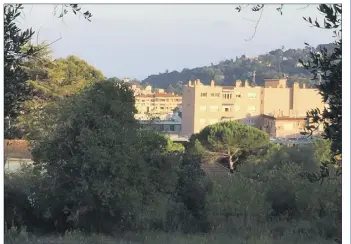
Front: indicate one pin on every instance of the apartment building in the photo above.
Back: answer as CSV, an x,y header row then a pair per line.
x,y
157,104
139,90
275,108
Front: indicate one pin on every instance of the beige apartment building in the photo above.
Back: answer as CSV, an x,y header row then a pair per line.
x,y
158,104
275,108
139,90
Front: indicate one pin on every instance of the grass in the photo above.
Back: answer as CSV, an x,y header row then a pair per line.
x,y
12,237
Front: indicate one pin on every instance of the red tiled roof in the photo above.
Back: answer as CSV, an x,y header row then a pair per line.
x,y
17,149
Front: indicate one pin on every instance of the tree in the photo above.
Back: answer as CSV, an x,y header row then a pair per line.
x,y
266,66
15,89
229,139
170,89
102,170
326,66
17,51
322,150
51,81
187,210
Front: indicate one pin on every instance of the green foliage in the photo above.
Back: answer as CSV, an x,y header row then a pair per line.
x,y
18,52
230,137
176,88
228,140
267,66
86,161
50,82
326,65
188,211
322,150
63,77
282,199
18,210
196,148
22,207
75,8
262,235
240,206
271,186
15,89
104,173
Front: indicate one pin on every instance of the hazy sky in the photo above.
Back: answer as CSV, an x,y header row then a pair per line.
x,y
140,40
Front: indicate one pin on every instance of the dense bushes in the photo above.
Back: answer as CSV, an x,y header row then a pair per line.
x,y
188,210
277,203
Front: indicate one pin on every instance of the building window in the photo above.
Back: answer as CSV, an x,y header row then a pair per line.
x,y
202,121
227,109
237,108
212,94
238,95
203,108
251,95
171,128
251,108
227,96
203,94
250,122
217,95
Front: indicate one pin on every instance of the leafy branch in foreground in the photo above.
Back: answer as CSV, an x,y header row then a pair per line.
x,y
75,8
326,66
15,90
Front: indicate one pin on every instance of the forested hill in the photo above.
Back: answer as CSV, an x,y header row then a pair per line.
x,y
227,71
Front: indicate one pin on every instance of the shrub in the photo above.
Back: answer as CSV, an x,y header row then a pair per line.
x,y
187,211
282,200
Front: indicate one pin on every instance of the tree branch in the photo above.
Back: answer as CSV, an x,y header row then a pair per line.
x,y
257,23
302,8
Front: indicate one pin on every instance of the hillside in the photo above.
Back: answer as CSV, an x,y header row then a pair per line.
x,y
269,65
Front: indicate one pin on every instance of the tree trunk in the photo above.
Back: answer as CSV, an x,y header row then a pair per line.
x,y
232,164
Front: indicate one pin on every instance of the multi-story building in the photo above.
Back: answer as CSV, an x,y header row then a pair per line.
x,y
139,90
275,108
157,104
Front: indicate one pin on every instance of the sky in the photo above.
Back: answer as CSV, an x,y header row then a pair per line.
x,y
138,40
